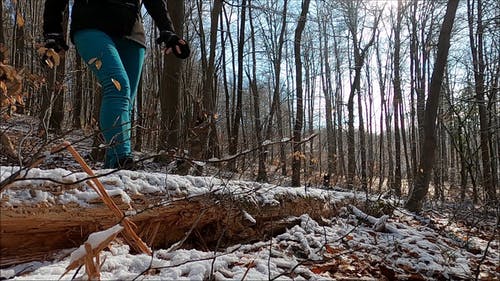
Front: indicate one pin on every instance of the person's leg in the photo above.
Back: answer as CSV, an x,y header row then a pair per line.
x,y
132,56
100,52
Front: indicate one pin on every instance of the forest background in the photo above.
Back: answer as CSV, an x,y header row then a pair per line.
x,y
311,92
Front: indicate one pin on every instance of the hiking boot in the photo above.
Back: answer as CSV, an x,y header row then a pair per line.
x,y
127,163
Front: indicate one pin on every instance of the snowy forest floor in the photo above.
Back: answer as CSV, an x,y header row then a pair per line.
x,y
371,239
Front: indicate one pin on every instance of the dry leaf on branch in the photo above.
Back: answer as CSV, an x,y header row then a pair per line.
x,y
11,84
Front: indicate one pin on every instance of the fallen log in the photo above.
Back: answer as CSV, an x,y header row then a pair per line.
x,y
50,210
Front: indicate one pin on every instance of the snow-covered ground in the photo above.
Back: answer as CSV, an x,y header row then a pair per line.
x,y
351,245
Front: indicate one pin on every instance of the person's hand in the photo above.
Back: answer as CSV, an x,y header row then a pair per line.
x,y
49,53
173,44
55,41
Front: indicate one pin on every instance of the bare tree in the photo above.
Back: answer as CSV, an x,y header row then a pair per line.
x,y
261,173
299,115
397,100
209,78
427,155
477,50
237,108
352,20
276,56
327,88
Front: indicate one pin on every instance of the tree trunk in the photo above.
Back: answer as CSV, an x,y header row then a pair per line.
x,y
3,48
427,155
341,169
58,92
327,92
397,101
209,85
19,49
237,106
261,173
476,45
362,141
171,85
141,116
299,114
32,231
359,60
78,93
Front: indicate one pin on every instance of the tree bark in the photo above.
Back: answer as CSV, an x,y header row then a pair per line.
x,y
171,85
3,48
78,93
327,92
32,231
261,172
476,45
209,79
359,60
299,114
237,107
397,100
427,155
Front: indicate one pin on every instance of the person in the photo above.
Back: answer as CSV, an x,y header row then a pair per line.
x,y
109,36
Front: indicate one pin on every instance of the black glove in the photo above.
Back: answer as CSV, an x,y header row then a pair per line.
x,y
179,47
55,41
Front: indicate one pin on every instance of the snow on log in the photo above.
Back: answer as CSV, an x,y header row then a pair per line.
x,y
49,210
379,224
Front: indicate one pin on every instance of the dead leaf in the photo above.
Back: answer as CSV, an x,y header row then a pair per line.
x,y
20,100
117,84
389,273
3,88
20,20
326,267
331,250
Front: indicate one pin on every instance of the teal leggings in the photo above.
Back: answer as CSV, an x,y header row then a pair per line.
x,y
117,63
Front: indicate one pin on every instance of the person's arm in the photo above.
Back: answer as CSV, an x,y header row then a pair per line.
x,y
159,12
52,16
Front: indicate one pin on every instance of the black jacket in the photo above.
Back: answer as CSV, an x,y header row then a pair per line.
x,y
117,18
